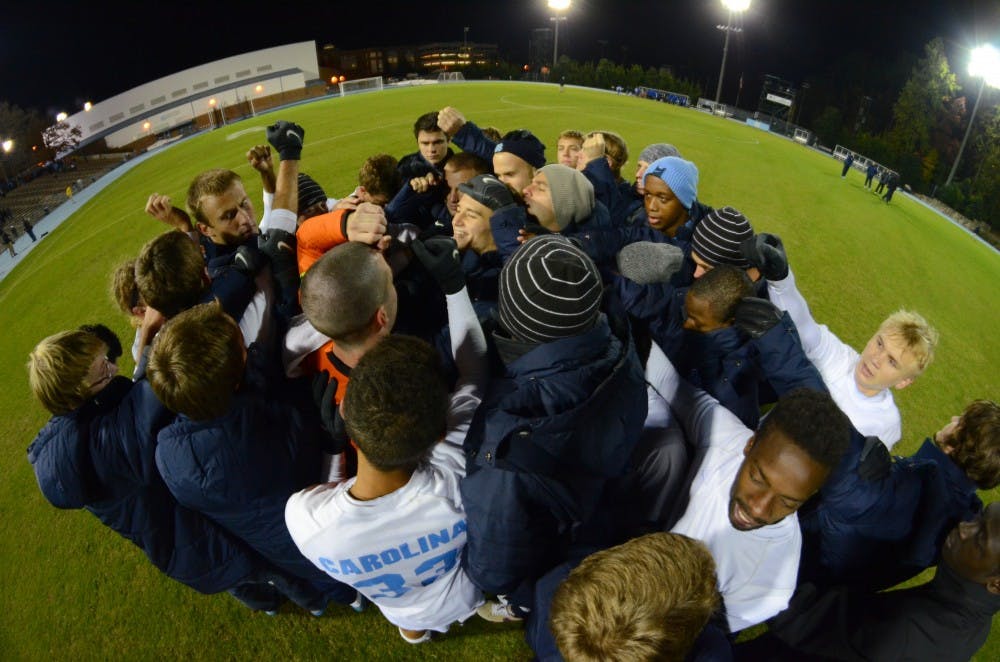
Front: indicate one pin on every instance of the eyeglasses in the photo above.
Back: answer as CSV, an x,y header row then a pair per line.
x,y
109,368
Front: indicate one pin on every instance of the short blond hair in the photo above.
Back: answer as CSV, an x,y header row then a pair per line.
x,y
58,369
916,333
197,362
647,599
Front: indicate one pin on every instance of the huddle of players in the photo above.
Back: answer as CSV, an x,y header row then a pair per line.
x,y
566,414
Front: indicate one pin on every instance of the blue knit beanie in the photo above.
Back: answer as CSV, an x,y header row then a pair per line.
x,y
680,175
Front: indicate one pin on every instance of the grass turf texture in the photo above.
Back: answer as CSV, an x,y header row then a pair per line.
x,y
74,590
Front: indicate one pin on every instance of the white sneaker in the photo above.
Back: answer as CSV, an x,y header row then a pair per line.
x,y
426,636
359,603
496,611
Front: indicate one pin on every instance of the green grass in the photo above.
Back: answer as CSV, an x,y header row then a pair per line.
x,y
73,590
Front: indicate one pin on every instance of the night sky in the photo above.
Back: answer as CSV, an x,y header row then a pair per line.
x,y
56,55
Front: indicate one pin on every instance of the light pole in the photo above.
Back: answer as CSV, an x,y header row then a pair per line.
x,y
985,64
734,7
557,6
7,146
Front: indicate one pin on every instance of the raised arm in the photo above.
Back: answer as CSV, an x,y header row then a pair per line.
x,y
705,421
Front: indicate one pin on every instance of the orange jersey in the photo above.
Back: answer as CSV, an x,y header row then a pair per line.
x,y
319,234
324,359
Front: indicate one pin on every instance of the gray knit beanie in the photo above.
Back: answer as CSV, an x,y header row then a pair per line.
x,y
658,151
572,194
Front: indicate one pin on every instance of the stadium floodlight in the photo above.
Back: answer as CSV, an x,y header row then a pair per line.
x,y
7,146
557,6
985,64
61,117
734,7
87,106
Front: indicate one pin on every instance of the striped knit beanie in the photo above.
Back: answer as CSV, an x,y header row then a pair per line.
x,y
309,192
549,289
718,236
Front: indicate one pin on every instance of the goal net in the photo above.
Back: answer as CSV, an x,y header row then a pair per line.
x,y
450,76
361,85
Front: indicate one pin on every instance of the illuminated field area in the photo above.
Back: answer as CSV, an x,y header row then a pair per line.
x,y
74,590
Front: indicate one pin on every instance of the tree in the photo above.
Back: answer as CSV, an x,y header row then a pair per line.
x,y
924,104
829,126
62,137
24,127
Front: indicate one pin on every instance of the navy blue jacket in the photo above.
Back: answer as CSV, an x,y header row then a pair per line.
x,y
101,458
239,469
550,433
506,221
732,367
472,139
415,165
879,533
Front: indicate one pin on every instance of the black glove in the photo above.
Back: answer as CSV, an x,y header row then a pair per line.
x,y
249,260
324,389
875,460
287,139
767,253
756,316
439,255
279,247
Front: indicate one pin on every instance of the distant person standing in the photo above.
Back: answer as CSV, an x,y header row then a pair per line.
x,y
69,193
28,228
847,165
891,185
5,238
870,175
883,176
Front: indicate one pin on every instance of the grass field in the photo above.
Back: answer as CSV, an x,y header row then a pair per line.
x,y
73,590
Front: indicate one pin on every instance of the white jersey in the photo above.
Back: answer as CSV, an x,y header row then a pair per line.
x,y
403,550
756,570
875,415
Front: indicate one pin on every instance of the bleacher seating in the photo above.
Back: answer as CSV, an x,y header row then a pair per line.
x,y
31,201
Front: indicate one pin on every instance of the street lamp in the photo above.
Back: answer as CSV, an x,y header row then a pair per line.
x,y
87,106
7,146
985,64
61,117
734,7
557,6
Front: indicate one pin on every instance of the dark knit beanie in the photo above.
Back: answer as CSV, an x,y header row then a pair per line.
x,y
309,192
549,289
572,194
523,143
718,236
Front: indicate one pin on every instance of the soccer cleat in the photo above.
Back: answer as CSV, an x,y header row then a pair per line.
x,y
359,603
270,612
497,612
426,636
317,612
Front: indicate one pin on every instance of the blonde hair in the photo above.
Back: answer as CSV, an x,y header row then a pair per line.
x,y
197,362
58,369
647,599
916,333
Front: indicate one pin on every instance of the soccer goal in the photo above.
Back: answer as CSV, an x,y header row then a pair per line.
x,y
361,85
802,135
451,76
